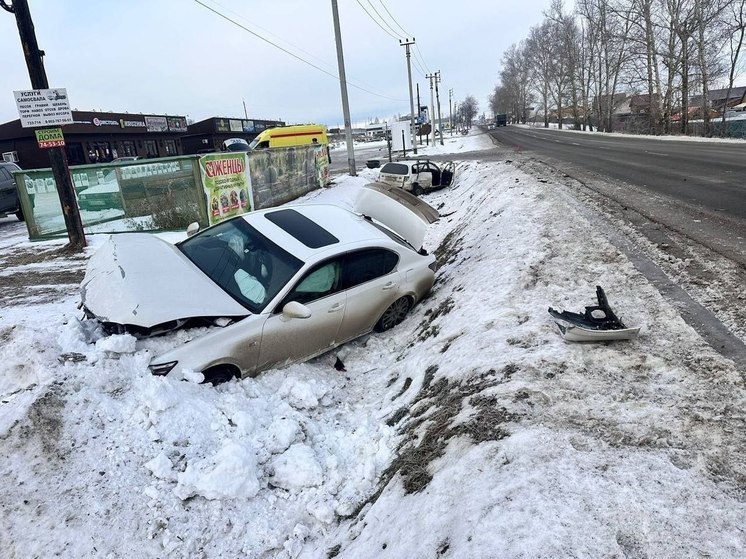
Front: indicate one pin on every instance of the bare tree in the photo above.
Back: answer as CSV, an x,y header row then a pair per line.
x,y
468,110
513,94
709,40
608,33
539,49
644,37
664,50
736,27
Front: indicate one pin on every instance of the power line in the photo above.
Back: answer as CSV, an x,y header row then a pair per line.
x,y
423,67
422,59
394,19
257,35
296,47
376,22
385,22
419,68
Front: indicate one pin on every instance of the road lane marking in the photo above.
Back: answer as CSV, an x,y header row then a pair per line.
x,y
656,153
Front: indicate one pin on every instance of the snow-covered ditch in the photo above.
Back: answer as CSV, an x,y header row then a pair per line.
x,y
470,430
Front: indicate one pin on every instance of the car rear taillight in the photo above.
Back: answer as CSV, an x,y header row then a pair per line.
x,y
162,369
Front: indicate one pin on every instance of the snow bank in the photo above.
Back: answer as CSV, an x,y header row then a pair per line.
x,y
535,447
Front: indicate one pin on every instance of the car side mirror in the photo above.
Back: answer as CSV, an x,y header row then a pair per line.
x,y
193,229
294,309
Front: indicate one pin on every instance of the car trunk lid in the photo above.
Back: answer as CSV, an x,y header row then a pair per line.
x,y
397,209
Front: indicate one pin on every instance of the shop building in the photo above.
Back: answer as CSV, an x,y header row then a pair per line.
x,y
208,135
98,137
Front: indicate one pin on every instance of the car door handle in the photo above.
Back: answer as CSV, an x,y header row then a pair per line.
x,y
336,307
389,285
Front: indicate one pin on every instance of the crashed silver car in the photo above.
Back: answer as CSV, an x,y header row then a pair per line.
x,y
417,176
280,285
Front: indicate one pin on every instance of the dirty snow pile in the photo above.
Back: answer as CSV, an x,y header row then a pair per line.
x,y
470,430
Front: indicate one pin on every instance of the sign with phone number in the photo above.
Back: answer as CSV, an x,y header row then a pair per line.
x,y
50,138
43,107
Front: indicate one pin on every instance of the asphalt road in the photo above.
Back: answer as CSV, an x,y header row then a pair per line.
x,y
705,174
363,152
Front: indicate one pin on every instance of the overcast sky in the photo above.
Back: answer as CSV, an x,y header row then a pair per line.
x,y
177,57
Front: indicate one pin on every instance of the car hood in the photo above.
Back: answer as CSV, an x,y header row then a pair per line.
x,y
138,279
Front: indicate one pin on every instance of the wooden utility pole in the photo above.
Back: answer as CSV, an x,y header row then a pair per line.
x,y
57,156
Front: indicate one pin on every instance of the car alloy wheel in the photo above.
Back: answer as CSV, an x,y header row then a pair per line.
x,y
394,315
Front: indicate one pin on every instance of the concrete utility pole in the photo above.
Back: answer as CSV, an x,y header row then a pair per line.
x,y
57,156
418,106
437,97
406,43
450,110
343,87
432,107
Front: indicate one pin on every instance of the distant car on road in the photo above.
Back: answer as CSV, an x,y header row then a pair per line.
x,y
281,285
417,175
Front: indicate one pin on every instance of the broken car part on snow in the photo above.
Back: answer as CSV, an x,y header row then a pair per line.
x,y
598,323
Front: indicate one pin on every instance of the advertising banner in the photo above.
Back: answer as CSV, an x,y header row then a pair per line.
x,y
43,107
50,138
156,123
176,123
227,184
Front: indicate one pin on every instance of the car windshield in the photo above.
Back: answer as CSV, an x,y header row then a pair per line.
x,y
395,169
241,261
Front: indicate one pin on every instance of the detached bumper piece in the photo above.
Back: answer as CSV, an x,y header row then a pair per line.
x,y
597,324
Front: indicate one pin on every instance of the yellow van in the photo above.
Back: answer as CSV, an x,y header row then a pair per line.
x,y
290,136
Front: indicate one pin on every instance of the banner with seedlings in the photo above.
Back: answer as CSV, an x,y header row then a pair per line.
x,y
227,185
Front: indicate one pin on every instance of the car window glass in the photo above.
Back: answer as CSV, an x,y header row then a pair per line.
x,y
395,169
367,265
320,281
247,265
4,175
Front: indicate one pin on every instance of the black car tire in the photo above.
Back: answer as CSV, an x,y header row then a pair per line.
x,y
20,216
394,315
219,375
417,190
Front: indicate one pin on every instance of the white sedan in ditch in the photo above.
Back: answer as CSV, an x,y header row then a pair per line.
x,y
281,285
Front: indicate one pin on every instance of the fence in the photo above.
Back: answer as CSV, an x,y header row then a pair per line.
x,y
170,193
